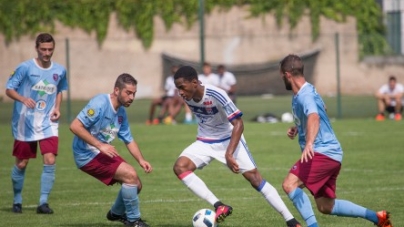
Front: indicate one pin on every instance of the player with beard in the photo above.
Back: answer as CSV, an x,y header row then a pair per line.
x,y
96,126
321,157
220,137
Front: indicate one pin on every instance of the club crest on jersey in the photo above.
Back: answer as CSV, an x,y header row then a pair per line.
x,y
55,77
120,119
90,112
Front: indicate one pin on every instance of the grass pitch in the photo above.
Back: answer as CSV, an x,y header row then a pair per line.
x,y
372,174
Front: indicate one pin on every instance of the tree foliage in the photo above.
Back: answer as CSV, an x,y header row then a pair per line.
x,y
22,17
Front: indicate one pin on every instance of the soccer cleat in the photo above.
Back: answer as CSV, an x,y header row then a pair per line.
x,y
115,217
397,117
384,219
44,209
293,223
137,223
155,121
17,208
380,117
222,212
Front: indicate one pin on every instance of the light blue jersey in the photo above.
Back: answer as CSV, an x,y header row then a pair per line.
x,y
104,123
42,85
308,101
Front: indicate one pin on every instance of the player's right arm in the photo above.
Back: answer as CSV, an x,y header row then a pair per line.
x,y
14,83
77,127
13,94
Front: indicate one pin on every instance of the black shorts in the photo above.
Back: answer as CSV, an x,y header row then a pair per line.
x,y
392,109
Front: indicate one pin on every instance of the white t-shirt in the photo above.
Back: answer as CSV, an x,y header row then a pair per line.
x,y
170,86
385,89
227,80
212,79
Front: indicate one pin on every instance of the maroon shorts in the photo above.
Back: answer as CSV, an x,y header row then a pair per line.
x,y
103,168
28,149
319,175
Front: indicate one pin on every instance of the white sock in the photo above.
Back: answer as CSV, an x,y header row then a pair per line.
x,y
271,195
188,116
197,186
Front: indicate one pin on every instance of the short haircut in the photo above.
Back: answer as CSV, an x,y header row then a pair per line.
x,y
392,78
44,38
221,67
292,64
125,79
186,72
206,64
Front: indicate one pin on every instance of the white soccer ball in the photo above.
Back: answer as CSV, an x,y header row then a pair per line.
x,y
287,117
204,218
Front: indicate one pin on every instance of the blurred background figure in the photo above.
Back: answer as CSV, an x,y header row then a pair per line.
x,y
390,100
227,82
166,102
207,76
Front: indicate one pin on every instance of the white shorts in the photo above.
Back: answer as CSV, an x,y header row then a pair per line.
x,y
201,154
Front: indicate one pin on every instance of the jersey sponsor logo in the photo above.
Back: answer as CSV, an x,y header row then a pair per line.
x,y
55,77
41,105
90,112
205,110
44,87
109,133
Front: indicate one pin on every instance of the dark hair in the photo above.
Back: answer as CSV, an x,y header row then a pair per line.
x,y
44,38
293,64
392,78
206,64
124,79
221,67
186,72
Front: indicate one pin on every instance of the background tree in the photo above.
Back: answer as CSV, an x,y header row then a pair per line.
x,y
22,17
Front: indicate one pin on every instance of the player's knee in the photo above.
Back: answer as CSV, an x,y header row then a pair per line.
x,y
131,177
22,164
182,165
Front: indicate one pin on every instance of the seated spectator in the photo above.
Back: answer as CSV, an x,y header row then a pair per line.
x,y
165,102
389,99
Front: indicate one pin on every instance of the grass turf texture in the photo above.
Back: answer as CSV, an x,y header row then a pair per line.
x,y
371,174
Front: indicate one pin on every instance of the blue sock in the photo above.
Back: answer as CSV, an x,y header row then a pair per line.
x,y
118,207
302,203
47,180
17,178
346,208
131,201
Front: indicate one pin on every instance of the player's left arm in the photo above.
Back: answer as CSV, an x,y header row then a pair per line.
x,y
312,128
55,115
234,140
137,154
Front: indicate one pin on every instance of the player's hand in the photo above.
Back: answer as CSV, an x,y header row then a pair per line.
x,y
28,102
308,153
231,163
146,166
108,150
55,115
292,132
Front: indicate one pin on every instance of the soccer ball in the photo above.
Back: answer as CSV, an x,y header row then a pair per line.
x,y
287,117
204,218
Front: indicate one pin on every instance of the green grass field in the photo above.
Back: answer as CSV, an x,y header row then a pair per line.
x,y
372,173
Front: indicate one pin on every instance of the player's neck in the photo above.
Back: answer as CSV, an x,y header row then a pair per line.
x,y
43,64
297,84
114,101
199,94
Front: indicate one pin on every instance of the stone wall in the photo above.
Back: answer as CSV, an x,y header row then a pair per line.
x,y
230,39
